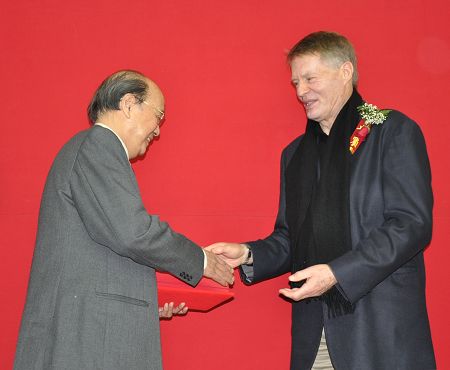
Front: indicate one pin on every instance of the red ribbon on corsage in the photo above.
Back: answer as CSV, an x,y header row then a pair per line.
x,y
370,115
359,135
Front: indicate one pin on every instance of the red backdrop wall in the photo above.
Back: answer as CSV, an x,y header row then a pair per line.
x,y
214,173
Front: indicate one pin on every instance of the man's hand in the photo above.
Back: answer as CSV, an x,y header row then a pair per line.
x,y
218,270
232,253
167,311
319,279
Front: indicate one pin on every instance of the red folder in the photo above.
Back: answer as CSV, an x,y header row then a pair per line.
x,y
204,297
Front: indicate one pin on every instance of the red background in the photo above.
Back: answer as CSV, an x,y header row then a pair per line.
x,y
214,173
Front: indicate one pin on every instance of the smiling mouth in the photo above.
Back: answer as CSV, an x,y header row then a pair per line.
x,y
308,104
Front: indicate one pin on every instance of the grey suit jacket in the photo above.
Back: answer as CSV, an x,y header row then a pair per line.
x,y
92,299
384,274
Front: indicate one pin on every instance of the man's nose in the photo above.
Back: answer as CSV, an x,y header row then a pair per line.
x,y
302,88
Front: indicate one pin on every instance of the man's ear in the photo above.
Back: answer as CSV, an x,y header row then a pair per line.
x,y
347,70
126,103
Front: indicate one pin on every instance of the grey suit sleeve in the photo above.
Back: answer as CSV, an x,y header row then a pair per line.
x,y
106,196
271,256
407,200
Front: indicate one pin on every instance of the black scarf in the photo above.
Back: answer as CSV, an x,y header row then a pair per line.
x,y
317,197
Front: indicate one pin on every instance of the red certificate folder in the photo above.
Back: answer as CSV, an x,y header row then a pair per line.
x,y
204,297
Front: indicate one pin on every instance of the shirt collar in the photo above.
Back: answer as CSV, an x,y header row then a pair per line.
x,y
110,129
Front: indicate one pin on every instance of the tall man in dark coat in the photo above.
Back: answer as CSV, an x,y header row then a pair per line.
x,y
355,215
91,300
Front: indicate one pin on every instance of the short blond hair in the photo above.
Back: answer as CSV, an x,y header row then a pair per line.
x,y
331,46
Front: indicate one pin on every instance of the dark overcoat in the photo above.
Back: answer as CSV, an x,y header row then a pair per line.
x,y
384,273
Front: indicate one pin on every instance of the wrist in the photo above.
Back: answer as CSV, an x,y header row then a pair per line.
x,y
248,255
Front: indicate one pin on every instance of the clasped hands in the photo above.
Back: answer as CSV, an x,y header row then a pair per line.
x,y
318,278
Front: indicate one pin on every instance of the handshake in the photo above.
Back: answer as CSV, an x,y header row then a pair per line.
x,y
221,259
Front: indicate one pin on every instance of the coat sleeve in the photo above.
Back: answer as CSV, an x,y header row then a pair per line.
x,y
407,213
105,193
272,255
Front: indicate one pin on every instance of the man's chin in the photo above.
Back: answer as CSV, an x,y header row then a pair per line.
x,y
141,155
312,117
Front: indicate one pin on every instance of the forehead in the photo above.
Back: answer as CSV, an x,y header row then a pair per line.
x,y
155,94
306,64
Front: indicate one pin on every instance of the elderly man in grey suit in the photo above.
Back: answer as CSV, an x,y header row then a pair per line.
x,y
91,300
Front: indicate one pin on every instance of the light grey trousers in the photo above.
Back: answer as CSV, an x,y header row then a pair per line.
x,y
322,361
